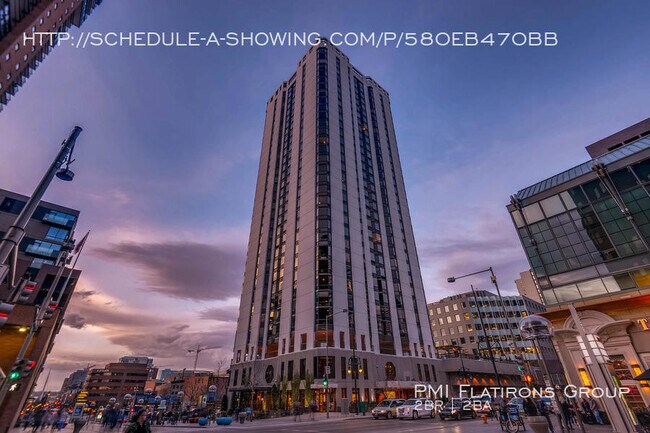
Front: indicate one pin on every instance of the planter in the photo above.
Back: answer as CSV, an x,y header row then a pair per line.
x,y
224,420
538,424
203,421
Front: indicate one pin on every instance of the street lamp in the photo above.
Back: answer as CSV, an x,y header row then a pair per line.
x,y
493,279
354,368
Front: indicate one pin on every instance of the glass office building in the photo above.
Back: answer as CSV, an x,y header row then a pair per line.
x,y
586,231
586,234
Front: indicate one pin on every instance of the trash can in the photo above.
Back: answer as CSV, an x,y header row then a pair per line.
x,y
363,407
242,417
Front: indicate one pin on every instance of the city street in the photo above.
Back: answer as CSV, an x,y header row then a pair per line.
x,y
335,424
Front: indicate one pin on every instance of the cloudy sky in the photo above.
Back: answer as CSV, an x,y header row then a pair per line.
x,y
167,163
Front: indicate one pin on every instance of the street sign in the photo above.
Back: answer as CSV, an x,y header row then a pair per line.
x,y
327,370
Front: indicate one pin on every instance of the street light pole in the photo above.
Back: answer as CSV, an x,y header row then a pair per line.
x,y
16,231
487,341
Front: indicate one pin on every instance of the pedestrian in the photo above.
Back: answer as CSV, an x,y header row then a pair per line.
x,y
312,410
566,412
63,420
139,423
249,413
543,411
38,420
296,411
530,408
593,406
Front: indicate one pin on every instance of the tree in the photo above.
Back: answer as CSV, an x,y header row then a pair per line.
x,y
275,397
295,389
309,393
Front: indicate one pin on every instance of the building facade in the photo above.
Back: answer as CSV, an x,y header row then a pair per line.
x,y
20,50
586,233
527,286
468,322
118,379
475,325
48,234
332,277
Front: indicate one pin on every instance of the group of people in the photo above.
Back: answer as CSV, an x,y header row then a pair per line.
x,y
43,418
588,411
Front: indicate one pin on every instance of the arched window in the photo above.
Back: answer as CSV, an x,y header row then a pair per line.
x,y
389,369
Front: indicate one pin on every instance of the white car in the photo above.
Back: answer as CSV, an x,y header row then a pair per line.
x,y
415,408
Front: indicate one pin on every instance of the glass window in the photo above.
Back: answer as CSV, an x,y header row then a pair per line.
x,y
552,206
642,170
519,220
533,213
624,281
611,285
595,190
623,179
567,293
57,234
592,288
642,277
577,196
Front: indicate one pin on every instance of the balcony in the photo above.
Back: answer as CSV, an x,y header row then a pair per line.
x,y
43,249
59,219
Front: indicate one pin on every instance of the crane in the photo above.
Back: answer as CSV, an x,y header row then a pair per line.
x,y
198,350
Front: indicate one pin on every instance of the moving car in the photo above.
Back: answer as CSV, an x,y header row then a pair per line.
x,y
415,408
457,408
387,408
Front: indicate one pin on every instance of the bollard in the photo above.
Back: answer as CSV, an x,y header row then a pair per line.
x,y
484,418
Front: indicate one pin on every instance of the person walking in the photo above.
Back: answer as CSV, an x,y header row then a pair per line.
x,y
543,411
593,406
139,423
312,410
249,413
296,411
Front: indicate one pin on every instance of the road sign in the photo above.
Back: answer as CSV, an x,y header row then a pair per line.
x,y
327,370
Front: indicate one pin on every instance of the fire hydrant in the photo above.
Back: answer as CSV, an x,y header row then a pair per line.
x,y
484,418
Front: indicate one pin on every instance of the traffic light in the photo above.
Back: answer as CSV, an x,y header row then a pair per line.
x,y
27,368
16,370
5,310
27,290
326,382
49,310
528,378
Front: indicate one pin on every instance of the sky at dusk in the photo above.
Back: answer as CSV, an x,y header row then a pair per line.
x,y
167,162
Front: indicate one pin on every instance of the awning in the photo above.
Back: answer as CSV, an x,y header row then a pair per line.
x,y
644,376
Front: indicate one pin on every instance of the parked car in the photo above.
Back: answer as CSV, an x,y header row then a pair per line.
x,y
457,408
415,408
387,408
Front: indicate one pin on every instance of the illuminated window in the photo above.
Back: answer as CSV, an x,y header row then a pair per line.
x,y
584,377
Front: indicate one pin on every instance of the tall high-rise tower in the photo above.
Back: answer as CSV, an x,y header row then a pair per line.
x,y
21,47
331,256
